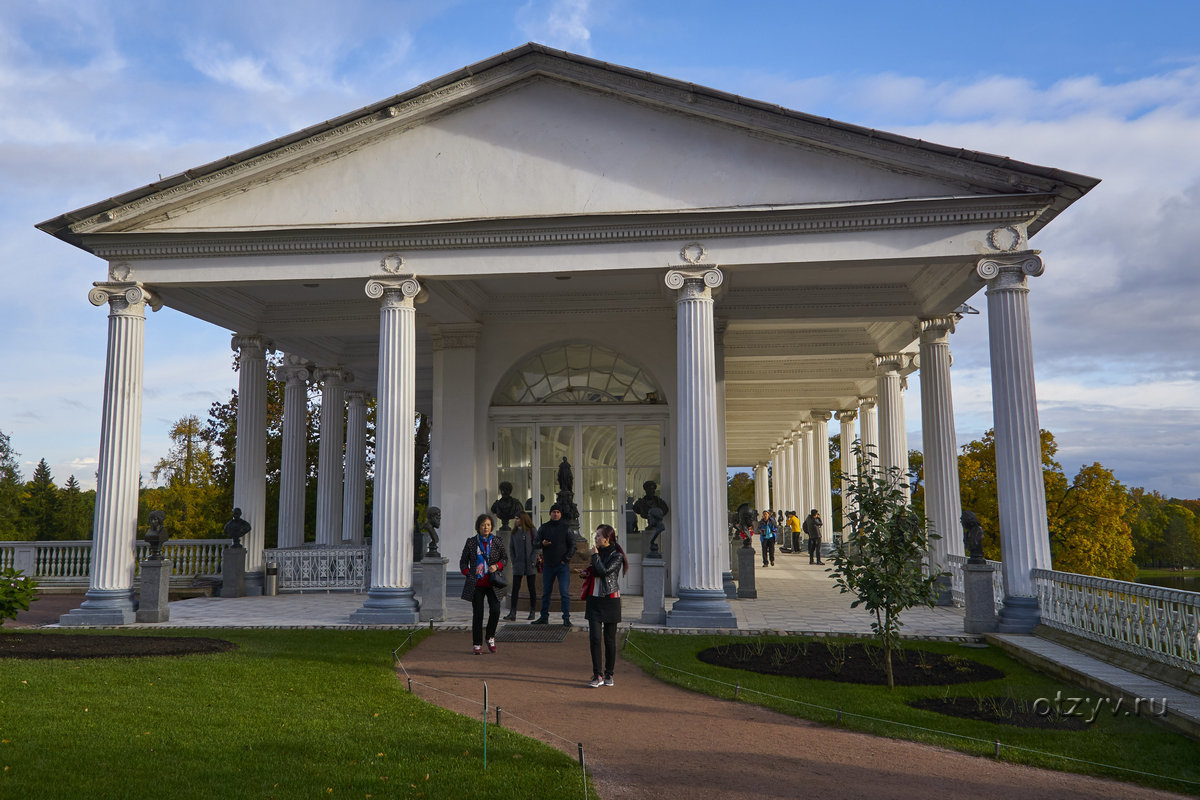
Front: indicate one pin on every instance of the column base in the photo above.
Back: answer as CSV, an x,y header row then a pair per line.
x,y
1019,615
701,608
102,607
388,607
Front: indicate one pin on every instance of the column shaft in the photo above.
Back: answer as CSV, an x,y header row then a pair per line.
x,y
250,472
822,494
939,443
330,469
849,466
292,463
390,600
700,517
109,599
892,455
868,425
761,500
1024,534
355,497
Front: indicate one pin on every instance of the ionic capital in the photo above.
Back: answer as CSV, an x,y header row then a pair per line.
x,y
1009,272
124,298
356,396
393,291
694,283
935,330
293,370
847,415
820,415
249,344
334,375
464,336
867,403
891,362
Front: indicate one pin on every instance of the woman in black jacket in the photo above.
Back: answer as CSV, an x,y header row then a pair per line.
x,y
524,554
482,556
602,600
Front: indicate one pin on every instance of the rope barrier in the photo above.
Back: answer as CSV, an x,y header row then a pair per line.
x,y
739,689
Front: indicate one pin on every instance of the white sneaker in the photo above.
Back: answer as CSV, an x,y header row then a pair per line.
x,y
608,681
596,682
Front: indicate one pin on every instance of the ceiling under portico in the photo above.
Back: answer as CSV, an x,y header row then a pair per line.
x,y
543,181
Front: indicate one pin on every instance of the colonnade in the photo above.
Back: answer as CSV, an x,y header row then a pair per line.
x,y
799,460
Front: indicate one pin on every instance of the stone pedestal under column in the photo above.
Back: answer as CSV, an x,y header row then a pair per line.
x,y
979,613
745,558
233,572
432,570
156,586
654,582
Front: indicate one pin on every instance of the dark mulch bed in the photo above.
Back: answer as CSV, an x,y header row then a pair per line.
x,y
848,663
73,646
1001,710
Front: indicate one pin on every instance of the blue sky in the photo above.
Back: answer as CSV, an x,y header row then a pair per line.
x,y
97,98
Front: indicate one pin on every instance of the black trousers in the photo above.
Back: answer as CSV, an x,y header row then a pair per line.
x,y
768,548
603,614
530,583
814,546
477,613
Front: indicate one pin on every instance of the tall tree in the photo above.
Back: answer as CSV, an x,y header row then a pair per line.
x,y
75,511
739,489
189,495
41,503
11,491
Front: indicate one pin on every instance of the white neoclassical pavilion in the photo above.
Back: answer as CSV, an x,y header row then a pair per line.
x,y
556,257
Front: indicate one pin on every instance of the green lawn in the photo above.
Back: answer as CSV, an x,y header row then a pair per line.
x,y
289,714
1119,747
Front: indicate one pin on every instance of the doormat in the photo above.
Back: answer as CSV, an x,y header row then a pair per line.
x,y
532,633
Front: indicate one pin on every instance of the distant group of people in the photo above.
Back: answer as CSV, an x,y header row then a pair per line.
x,y
548,550
772,523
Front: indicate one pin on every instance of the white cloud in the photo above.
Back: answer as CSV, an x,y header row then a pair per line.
x,y
563,24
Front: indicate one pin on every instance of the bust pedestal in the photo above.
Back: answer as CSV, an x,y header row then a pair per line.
x,y
156,580
433,588
233,572
979,614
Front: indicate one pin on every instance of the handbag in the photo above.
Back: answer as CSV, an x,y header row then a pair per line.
x,y
497,580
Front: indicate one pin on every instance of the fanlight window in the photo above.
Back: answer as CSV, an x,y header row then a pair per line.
x,y
575,373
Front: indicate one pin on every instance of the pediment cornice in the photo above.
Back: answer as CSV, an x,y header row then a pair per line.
x,y
633,227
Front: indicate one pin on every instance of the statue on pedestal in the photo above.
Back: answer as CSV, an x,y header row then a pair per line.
x,y
156,536
650,501
654,519
972,537
566,478
433,521
506,506
236,528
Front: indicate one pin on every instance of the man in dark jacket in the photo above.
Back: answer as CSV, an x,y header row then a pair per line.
x,y
557,544
812,526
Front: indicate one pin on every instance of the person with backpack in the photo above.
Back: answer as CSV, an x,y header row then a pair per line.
x,y
767,534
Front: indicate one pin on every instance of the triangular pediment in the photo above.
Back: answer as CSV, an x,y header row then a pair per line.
x,y
545,134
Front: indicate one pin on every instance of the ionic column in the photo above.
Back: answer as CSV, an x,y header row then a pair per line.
x,y
1024,534
805,451
940,445
250,471
355,496
892,453
773,473
785,474
761,497
391,600
720,326
822,495
868,434
109,598
701,488
330,470
292,464
849,466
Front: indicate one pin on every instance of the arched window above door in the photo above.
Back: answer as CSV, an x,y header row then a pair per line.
x,y
575,374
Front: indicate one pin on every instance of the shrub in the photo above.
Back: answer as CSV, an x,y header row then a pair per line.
x,y
16,593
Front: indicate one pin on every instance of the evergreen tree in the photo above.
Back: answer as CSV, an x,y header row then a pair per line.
x,y
41,503
189,495
75,511
11,491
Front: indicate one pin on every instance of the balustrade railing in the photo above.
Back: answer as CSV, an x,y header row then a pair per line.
x,y
69,563
955,568
1152,621
333,567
